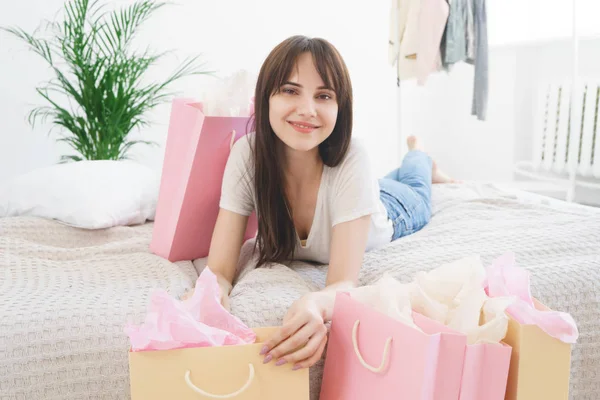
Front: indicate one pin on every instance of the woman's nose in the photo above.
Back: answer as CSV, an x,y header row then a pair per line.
x,y
307,107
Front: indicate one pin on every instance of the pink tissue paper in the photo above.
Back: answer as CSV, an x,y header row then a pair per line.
x,y
505,278
200,321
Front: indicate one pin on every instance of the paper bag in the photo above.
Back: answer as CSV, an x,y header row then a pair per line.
x,y
484,368
188,203
373,356
540,365
224,372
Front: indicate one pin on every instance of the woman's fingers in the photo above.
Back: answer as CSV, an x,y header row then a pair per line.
x,y
312,346
312,360
293,342
280,336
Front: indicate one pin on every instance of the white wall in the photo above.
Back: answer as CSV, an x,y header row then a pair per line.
x,y
440,113
532,21
525,49
235,34
239,33
548,62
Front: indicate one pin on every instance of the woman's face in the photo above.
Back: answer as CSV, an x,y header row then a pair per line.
x,y
303,112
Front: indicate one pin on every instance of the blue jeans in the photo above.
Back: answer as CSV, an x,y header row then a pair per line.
x,y
406,194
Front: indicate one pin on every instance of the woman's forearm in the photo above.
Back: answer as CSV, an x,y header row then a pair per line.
x,y
326,297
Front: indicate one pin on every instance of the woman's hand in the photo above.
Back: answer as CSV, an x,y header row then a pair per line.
x,y
302,338
224,288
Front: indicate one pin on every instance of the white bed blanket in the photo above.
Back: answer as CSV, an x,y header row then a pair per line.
x,y
558,243
66,294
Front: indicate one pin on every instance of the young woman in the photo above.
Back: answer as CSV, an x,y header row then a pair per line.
x,y
311,187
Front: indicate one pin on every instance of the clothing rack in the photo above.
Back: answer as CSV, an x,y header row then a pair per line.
x,y
416,59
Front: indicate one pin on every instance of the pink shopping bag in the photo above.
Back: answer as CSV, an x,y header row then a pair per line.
x,y
188,203
373,356
485,368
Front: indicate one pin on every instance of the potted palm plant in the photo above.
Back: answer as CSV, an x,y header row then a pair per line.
x,y
97,96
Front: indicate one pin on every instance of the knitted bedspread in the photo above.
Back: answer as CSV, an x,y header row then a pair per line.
x,y
66,294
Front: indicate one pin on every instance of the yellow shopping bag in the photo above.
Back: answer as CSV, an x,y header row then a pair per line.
x,y
224,372
540,365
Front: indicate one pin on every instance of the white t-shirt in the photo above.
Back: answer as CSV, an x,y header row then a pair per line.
x,y
346,192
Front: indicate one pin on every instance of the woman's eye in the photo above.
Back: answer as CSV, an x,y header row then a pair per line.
x,y
324,96
288,91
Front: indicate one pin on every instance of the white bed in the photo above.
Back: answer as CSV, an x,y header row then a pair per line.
x,y
66,294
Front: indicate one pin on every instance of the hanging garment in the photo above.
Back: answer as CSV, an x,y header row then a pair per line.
x,y
470,28
480,60
428,35
398,17
416,32
465,39
454,41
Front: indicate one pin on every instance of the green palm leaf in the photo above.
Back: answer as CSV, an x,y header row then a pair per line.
x,y
89,53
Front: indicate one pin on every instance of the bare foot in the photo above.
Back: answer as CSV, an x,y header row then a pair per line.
x,y
437,175
414,143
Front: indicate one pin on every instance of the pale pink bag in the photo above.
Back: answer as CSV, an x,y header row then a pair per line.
x,y
188,203
373,356
485,367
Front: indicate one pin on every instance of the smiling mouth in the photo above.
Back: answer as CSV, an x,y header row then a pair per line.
x,y
303,127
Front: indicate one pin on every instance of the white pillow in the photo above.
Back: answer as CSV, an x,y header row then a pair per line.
x,y
84,194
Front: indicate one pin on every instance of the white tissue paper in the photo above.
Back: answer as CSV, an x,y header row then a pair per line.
x,y
232,96
452,294
388,296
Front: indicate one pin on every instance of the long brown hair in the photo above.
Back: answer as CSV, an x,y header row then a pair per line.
x,y
276,238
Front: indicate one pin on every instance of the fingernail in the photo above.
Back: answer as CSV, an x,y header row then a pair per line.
x,y
264,350
279,362
296,367
267,358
